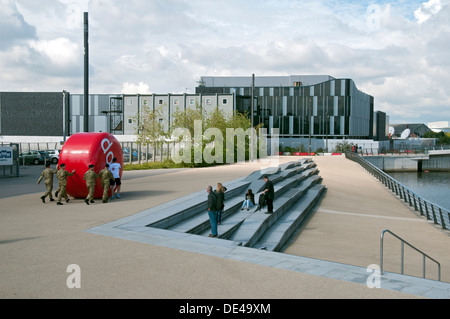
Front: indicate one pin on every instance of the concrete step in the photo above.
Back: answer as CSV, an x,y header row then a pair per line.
x,y
256,224
182,210
195,220
200,222
276,237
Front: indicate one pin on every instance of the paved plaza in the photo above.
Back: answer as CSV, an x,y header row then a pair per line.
x,y
328,258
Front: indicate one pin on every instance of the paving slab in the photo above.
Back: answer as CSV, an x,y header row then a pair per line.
x,y
39,241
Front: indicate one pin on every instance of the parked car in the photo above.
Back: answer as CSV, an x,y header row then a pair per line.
x,y
126,154
134,155
31,157
53,156
45,155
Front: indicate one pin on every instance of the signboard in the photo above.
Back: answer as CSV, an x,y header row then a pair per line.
x,y
6,156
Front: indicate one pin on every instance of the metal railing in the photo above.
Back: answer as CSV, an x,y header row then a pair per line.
x,y
424,256
437,214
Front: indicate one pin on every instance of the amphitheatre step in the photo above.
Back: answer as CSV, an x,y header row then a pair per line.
x,y
186,207
254,225
276,237
196,221
200,222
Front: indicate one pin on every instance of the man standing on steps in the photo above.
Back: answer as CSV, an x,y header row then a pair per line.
x,y
269,193
212,211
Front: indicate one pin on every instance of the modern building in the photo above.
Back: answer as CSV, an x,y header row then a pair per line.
x,y
31,114
317,110
301,106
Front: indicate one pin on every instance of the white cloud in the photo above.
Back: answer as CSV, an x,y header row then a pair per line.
x,y
166,45
131,88
427,10
61,52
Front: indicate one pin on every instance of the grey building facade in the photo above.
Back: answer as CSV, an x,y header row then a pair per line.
x,y
300,106
31,114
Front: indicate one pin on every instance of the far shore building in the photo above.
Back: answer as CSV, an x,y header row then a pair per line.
x,y
301,107
315,110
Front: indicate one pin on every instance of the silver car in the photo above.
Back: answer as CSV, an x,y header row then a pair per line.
x,y
53,156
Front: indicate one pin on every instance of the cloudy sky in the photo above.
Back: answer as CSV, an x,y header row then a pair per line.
x,y
397,51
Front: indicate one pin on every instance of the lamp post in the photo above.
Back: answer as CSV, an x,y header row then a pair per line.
x,y
86,73
251,117
309,128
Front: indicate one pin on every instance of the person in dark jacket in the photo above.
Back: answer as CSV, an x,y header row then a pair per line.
x,y
220,193
269,194
212,211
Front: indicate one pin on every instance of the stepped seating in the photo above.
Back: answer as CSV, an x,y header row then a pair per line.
x,y
258,223
279,234
297,188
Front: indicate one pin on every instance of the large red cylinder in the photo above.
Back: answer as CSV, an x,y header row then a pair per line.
x,y
83,149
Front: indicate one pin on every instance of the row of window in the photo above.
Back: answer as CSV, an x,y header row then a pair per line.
x,y
176,101
294,125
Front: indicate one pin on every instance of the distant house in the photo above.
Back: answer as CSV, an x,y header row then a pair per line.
x,y
416,130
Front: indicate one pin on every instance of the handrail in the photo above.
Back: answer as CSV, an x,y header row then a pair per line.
x,y
437,214
402,254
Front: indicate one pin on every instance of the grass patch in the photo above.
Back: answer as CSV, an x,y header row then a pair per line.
x,y
155,165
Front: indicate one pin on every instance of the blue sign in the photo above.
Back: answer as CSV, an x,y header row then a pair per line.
x,y
6,156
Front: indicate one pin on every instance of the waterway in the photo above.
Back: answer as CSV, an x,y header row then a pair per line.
x,y
432,186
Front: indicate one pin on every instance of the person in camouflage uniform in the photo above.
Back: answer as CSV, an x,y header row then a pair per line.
x,y
62,176
90,176
105,176
47,175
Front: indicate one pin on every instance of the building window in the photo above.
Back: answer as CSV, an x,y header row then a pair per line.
x,y
130,121
176,102
191,101
208,101
224,101
160,102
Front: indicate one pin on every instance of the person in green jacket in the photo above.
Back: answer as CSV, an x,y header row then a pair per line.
x,y
90,176
62,176
47,175
105,177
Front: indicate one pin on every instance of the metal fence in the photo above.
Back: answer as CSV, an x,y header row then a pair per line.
x,y
402,255
133,152
433,212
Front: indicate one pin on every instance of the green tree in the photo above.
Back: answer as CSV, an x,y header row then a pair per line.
x,y
214,133
441,137
186,119
150,128
343,147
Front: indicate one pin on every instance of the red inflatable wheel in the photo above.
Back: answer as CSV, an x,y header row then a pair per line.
x,y
82,149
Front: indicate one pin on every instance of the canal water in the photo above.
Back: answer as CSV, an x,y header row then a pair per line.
x,y
432,186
